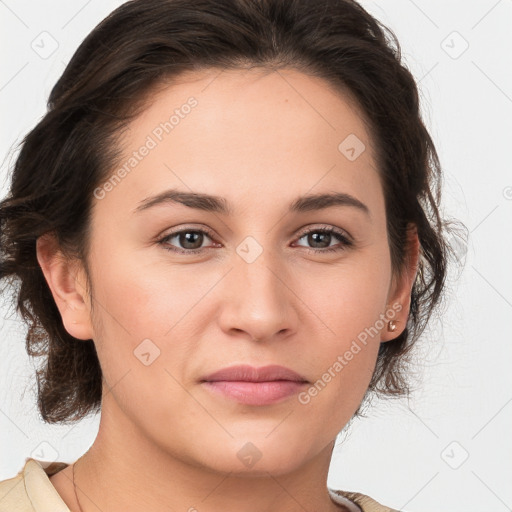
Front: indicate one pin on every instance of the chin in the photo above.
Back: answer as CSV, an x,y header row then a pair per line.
x,y
254,456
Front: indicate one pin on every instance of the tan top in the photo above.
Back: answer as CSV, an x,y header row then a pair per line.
x,y
32,491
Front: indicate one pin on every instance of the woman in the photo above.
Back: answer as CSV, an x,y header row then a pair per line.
x,y
227,235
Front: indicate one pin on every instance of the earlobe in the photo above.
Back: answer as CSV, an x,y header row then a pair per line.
x,y
401,289
69,293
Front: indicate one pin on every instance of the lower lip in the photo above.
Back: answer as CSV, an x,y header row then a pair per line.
x,y
256,393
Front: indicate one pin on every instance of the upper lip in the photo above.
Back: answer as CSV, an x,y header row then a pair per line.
x,y
252,374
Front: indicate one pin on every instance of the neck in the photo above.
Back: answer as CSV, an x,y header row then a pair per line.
x,y
127,472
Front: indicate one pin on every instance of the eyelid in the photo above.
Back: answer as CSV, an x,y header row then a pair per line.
x,y
325,227
187,228
302,231
347,239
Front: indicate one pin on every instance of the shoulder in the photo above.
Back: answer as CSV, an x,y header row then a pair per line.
x,y
31,490
365,503
13,496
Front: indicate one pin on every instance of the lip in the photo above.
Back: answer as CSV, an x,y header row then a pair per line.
x,y
255,386
249,373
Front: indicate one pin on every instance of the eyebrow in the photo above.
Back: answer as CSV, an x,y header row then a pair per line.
x,y
216,204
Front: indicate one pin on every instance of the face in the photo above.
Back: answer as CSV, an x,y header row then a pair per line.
x,y
262,274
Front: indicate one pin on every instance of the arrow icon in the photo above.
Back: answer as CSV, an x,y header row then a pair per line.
x,y
351,147
146,352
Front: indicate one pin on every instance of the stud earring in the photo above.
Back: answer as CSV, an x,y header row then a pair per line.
x,y
391,326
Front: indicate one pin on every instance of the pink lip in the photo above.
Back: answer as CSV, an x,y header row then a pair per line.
x,y
255,386
251,374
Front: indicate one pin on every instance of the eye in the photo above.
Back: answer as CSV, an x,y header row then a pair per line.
x,y
191,241
321,239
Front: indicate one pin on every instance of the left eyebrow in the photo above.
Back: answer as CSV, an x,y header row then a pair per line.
x,y
216,204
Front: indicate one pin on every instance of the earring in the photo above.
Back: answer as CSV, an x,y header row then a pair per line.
x,y
391,325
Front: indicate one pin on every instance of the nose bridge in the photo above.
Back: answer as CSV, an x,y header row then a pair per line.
x,y
259,302
256,267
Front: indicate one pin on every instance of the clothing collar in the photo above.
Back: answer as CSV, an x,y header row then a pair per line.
x,y
40,491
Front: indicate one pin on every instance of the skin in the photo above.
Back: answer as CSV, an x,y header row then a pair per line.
x,y
165,442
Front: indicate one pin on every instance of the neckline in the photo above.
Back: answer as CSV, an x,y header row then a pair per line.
x,y
37,475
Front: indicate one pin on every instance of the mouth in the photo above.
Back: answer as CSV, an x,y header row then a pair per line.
x,y
255,386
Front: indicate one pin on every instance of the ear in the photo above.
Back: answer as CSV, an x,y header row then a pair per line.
x,y
399,297
66,280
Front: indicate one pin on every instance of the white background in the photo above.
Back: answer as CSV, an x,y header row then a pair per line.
x,y
407,455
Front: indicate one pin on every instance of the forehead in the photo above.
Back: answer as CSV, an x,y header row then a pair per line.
x,y
252,101
238,133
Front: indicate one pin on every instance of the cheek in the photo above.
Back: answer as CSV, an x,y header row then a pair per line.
x,y
144,297
344,369
138,345
347,306
346,300
146,316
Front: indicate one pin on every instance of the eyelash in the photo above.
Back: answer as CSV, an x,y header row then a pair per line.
x,y
338,234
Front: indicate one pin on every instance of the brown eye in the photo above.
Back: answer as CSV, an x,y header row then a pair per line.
x,y
189,241
321,239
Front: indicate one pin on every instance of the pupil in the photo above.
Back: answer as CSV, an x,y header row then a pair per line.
x,y
187,238
315,236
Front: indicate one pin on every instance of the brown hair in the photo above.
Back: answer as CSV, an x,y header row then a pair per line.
x,y
144,43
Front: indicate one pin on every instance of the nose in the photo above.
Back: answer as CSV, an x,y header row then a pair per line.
x,y
258,299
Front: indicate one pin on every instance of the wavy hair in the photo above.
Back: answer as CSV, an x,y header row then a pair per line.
x,y
146,43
